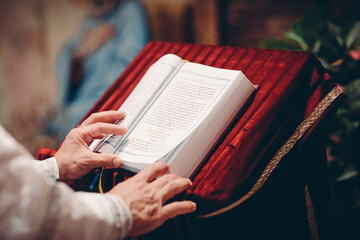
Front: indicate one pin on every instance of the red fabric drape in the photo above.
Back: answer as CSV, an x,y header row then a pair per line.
x,y
291,84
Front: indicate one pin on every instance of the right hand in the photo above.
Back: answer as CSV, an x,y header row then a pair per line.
x,y
146,193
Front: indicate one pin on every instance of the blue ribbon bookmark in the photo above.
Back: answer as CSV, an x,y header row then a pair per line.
x,y
96,178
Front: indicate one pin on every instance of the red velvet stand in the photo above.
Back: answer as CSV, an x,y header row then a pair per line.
x,y
267,177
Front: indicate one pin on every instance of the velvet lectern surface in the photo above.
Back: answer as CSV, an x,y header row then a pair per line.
x,y
266,177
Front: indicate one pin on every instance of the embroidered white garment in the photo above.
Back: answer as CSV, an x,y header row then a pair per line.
x,y
48,167
32,205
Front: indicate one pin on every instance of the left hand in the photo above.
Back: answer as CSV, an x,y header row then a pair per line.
x,y
74,157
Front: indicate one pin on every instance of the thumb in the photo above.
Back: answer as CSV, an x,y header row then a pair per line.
x,y
105,160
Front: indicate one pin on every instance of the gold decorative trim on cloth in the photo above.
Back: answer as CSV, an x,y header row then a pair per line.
x,y
290,143
311,215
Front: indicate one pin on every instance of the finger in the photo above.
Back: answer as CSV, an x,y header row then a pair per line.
x,y
160,182
177,208
154,170
88,133
104,160
174,187
106,116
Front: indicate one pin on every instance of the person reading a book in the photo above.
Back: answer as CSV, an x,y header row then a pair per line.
x,y
34,205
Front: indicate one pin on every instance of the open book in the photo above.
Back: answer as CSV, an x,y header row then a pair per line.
x,y
176,114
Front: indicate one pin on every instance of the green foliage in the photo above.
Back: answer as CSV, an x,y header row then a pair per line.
x,y
337,46
281,44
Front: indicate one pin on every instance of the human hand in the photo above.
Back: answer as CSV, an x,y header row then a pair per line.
x,y
94,39
74,157
145,195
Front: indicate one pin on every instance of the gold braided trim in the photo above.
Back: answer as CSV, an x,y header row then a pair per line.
x,y
311,215
299,132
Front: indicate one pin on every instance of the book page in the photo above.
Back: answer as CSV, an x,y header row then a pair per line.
x,y
141,98
177,112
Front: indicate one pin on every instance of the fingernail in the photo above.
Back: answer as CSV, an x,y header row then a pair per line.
x,y
117,162
194,206
190,182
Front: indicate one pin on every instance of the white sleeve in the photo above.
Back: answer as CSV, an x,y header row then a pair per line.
x,y
48,167
33,206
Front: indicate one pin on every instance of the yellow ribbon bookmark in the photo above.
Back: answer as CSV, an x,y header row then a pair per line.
x,y
100,187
